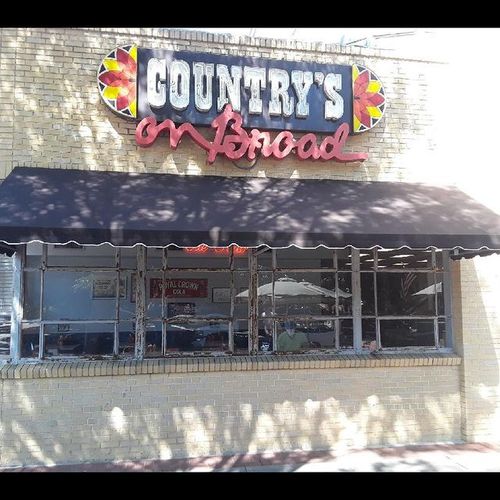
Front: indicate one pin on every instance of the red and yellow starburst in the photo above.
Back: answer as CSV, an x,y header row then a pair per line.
x,y
117,79
368,99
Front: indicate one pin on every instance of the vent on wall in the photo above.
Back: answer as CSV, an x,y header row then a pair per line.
x,y
5,303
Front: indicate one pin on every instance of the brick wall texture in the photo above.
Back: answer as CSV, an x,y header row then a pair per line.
x,y
64,420
52,116
477,334
55,117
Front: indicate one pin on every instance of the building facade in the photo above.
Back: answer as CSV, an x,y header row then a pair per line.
x,y
348,302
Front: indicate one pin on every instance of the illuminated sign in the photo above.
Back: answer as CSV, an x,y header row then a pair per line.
x,y
161,88
218,251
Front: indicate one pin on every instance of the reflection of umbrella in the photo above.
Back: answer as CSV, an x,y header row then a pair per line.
x,y
288,287
430,290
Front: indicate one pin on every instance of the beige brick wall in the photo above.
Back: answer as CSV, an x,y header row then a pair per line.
x,y
477,332
55,117
64,420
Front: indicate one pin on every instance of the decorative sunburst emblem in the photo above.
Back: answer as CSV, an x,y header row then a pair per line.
x,y
117,80
369,99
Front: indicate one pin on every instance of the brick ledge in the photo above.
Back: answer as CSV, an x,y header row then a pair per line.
x,y
79,368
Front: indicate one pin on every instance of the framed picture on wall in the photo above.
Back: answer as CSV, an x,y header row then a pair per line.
x,y
221,295
105,288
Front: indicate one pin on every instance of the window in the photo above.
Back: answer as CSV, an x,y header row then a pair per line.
x,y
83,301
403,298
72,304
304,299
198,310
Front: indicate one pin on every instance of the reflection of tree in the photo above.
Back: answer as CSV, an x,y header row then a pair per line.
x,y
396,294
407,304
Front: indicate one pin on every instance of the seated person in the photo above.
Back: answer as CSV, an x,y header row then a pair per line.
x,y
291,340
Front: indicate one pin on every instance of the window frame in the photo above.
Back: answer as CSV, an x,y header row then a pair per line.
x,y
142,271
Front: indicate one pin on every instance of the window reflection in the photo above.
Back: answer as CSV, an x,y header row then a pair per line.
x,y
312,308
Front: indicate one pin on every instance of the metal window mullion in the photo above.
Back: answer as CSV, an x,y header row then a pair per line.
x,y
309,317
436,325
274,263
74,321
116,338
447,298
337,333
164,270
253,340
428,318
400,270
356,300
232,296
17,302
295,270
43,268
378,340
335,265
140,303
195,270
436,333
75,269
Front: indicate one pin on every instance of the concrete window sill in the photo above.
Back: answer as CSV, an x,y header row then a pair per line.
x,y
79,368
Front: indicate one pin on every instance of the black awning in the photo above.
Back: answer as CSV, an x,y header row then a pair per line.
x,y
88,207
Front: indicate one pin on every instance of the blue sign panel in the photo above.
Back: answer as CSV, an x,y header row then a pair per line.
x,y
270,94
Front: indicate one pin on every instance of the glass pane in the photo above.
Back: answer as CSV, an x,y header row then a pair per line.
x,y
79,339
213,258
406,333
316,258
405,294
33,261
126,335
369,334
346,334
299,293
241,336
200,294
440,289
29,341
344,259
76,255
439,259
33,254
155,258
366,260
31,295
367,294
442,332
197,335
128,258
264,260
153,339
320,334
81,295
241,279
405,258
345,294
